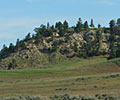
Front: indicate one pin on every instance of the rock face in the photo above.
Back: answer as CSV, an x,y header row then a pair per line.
x,y
51,50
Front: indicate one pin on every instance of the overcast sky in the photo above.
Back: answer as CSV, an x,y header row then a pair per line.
x,y
18,17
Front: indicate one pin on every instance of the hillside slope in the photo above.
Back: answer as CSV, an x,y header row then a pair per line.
x,y
52,49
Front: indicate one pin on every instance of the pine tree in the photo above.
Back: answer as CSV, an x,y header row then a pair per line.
x,y
38,38
79,26
61,32
65,25
17,44
118,21
28,37
13,64
86,25
113,49
59,26
4,51
48,25
92,24
22,44
99,26
11,48
112,25
52,28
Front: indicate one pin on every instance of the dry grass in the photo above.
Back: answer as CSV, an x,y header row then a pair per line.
x,y
76,76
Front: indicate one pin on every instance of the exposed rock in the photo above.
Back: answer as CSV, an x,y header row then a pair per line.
x,y
53,49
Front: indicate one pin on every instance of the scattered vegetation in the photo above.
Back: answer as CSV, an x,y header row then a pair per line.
x,y
67,97
82,40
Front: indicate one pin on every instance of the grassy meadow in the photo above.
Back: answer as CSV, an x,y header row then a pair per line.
x,y
74,76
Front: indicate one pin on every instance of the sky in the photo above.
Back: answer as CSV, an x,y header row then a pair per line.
x,y
19,17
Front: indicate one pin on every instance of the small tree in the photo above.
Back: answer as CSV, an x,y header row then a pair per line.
x,y
4,51
38,38
48,25
118,21
86,25
59,26
65,25
61,32
92,24
113,49
52,28
112,25
22,44
17,44
12,64
79,26
99,26
11,48
55,46
28,37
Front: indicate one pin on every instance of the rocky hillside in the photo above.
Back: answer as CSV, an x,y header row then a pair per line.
x,y
52,49
50,45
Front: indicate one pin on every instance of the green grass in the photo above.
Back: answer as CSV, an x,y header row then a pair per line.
x,y
44,81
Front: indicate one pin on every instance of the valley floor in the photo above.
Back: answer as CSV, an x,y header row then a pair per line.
x,y
75,76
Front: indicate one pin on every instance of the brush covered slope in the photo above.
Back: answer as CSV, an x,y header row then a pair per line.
x,y
53,44
53,49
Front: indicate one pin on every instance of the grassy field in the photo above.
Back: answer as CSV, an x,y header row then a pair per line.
x,y
74,76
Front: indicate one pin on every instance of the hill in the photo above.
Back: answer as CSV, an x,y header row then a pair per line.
x,y
62,59
52,44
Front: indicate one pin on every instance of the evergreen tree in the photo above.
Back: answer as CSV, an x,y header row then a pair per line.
x,y
59,26
118,21
11,48
112,38
113,49
38,38
28,37
17,44
79,26
12,64
4,51
61,32
112,25
86,25
43,31
92,24
55,46
99,26
22,44
65,25
48,25
52,28
99,36
33,36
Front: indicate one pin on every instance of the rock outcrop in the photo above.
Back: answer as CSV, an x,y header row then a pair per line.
x,y
53,49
